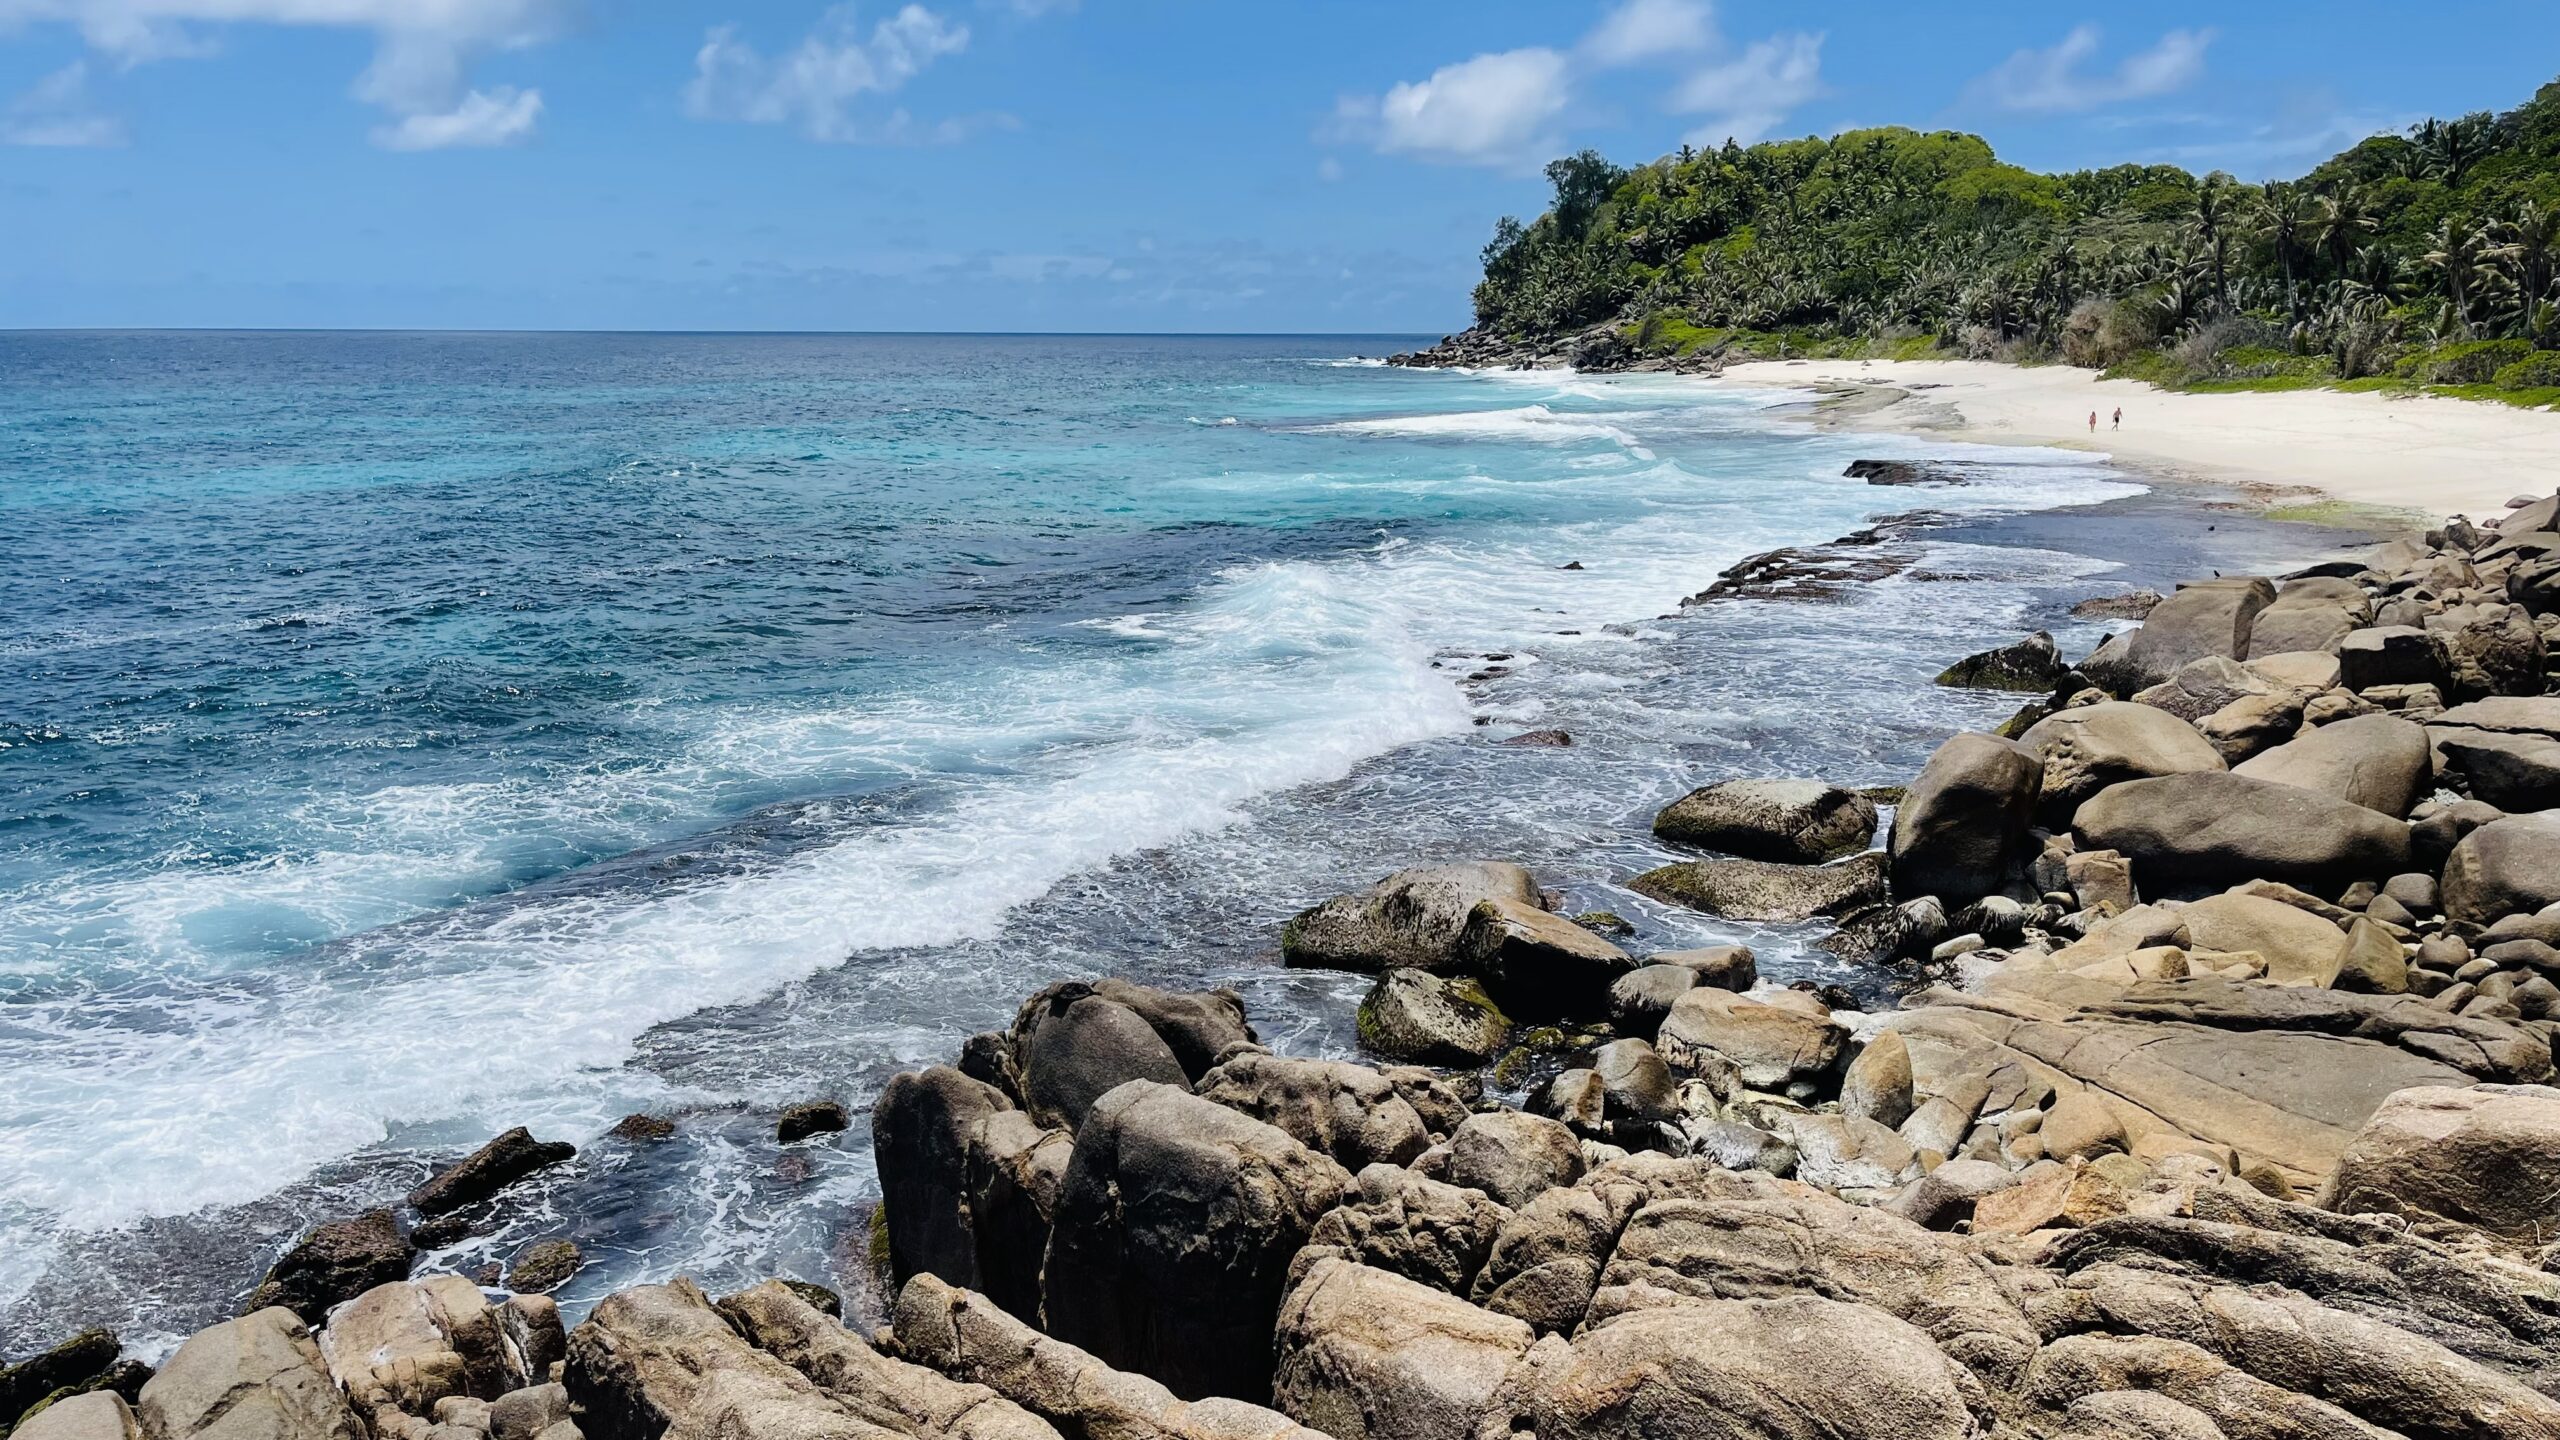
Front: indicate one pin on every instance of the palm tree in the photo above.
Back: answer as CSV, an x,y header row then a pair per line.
x,y
2343,219
2454,146
2284,215
2453,252
2211,216
2528,247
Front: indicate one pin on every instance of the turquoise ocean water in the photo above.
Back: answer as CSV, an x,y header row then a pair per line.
x,y
407,736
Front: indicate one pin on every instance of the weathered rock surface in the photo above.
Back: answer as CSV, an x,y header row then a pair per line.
x,y
1349,1112
1790,822
333,1264
487,1170
2487,1156
1073,1046
2209,618
1962,826
2377,761
1173,1235
1758,890
259,1377
1513,1156
2506,867
2031,666
1770,1047
1431,1019
1537,965
2190,834
1413,917
1368,1355
2086,749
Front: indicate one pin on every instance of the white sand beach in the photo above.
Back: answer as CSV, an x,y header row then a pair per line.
x,y
2424,453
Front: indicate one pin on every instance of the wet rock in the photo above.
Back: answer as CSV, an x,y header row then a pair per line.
x,y
642,1129
2507,867
85,1357
1537,965
810,1117
1790,822
1412,918
333,1264
1638,1086
1416,1015
1173,1234
493,1167
2087,749
1726,967
1758,890
2378,761
544,1265
259,1377
1513,1156
1542,739
1074,1046
2187,834
1961,831
2032,666
1346,1111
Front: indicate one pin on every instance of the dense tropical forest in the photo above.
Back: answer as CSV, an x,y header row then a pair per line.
x,y
2420,258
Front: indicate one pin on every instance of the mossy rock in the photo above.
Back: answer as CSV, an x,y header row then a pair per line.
x,y
1605,922
1413,1015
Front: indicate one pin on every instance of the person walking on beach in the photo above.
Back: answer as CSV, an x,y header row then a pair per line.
x,y
2093,422
2118,422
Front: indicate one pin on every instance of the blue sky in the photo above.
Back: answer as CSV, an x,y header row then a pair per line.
x,y
1041,164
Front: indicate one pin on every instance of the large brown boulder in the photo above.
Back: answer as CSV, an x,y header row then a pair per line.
x,y
1366,1355
1198,1026
1073,1045
1537,965
2377,761
1431,1019
1417,1227
2211,617
2194,834
1961,830
333,1264
2090,747
900,1397
1513,1156
1413,917
1173,1236
1333,1107
2487,650
922,1130
487,1170
1771,1047
1788,1368
2487,1156
658,1360
94,1415
1758,890
1791,822
259,1377
2505,867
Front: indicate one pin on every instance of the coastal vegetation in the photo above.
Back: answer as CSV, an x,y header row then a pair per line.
x,y
2430,258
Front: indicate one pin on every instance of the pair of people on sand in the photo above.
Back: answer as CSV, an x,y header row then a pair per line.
x,y
2117,424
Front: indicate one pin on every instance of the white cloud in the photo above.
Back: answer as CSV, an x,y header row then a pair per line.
x,y
55,111
1508,109
814,85
1749,95
1491,110
1642,30
504,116
2052,81
423,50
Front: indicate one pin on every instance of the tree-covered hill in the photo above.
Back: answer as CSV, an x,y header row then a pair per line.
x,y
2428,257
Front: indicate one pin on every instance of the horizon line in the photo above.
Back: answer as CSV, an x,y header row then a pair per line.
x,y
606,330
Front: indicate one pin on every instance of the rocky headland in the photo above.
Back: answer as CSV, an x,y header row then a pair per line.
x,y
2215,1101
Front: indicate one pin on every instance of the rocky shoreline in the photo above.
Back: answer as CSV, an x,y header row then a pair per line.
x,y
1602,349
2216,1102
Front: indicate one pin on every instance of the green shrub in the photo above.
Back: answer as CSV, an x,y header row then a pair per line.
x,y
2466,362
2537,371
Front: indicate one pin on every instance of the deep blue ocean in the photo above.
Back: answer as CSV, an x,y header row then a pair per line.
x,y
407,736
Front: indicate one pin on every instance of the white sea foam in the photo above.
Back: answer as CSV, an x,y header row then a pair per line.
x,y
209,1087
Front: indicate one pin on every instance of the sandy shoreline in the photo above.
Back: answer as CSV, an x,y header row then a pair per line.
x,y
2427,454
